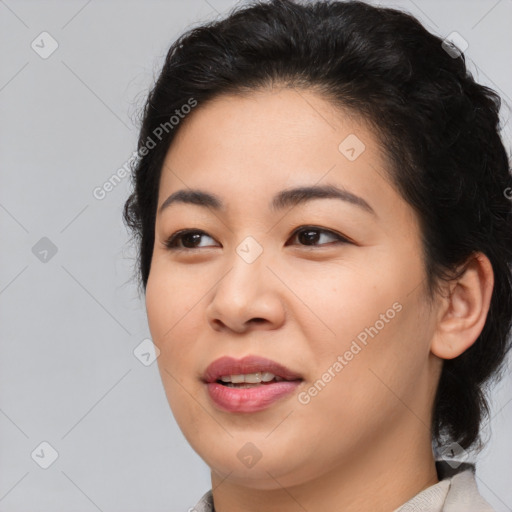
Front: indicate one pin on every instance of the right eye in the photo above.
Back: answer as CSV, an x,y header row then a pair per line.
x,y
188,239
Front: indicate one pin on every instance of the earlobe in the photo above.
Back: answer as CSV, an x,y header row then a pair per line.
x,y
464,311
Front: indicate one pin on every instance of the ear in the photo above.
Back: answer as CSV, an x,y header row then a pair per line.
x,y
463,311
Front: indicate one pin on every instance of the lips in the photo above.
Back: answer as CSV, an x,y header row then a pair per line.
x,y
249,398
249,364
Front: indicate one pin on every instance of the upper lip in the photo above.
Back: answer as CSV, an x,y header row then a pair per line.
x,y
249,364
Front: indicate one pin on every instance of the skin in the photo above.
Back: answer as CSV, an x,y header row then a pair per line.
x,y
363,442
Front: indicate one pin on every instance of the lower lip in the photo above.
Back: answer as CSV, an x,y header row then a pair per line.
x,y
250,399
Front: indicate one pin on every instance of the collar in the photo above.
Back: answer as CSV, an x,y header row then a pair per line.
x,y
456,491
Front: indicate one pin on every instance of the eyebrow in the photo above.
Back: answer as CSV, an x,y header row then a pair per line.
x,y
285,198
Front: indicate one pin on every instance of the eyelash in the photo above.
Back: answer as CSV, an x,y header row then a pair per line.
x,y
171,242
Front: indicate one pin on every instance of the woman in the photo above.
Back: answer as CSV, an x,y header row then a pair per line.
x,y
325,240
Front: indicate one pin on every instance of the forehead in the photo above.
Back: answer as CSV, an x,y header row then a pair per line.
x,y
267,117
276,133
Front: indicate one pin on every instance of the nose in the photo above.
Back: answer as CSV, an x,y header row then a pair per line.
x,y
246,297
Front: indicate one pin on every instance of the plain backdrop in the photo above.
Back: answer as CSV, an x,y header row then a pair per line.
x,y
70,318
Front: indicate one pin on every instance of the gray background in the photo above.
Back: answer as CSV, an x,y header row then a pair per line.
x,y
70,321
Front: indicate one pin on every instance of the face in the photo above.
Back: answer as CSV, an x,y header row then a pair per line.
x,y
328,282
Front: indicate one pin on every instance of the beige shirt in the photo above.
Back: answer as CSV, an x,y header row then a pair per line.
x,y
456,491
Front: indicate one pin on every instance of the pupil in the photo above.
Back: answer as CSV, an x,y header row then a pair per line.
x,y
308,236
188,237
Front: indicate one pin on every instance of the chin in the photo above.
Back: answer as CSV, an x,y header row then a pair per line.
x,y
269,472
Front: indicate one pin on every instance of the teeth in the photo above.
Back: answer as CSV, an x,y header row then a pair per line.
x,y
250,378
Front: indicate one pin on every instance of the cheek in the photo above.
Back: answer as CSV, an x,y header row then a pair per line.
x,y
170,311
383,368
175,311
337,302
376,346
171,301
169,306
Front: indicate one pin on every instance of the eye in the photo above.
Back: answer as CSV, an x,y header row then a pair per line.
x,y
310,235
188,239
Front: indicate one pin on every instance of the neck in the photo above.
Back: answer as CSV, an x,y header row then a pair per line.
x,y
381,478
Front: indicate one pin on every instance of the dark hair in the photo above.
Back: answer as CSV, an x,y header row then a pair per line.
x,y
438,130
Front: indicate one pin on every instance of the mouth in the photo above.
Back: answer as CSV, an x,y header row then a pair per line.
x,y
249,380
249,371
249,384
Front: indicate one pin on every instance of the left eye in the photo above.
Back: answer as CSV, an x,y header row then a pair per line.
x,y
310,235
307,236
